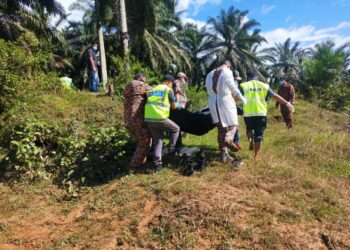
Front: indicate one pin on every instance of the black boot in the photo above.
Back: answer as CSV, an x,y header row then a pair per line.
x,y
158,167
201,160
187,165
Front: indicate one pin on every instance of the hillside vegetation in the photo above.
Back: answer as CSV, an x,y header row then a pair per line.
x,y
296,196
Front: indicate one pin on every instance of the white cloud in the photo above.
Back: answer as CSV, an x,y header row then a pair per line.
x,y
266,9
199,23
183,5
307,34
72,15
288,18
342,3
245,19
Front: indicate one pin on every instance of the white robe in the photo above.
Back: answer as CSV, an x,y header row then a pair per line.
x,y
225,103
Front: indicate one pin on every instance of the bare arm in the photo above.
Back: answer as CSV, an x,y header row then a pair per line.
x,y
92,63
279,99
172,99
293,95
277,103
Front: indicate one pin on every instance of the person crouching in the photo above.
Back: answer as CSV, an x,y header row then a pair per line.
x,y
157,110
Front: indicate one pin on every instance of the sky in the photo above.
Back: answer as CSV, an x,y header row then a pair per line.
x,y
308,21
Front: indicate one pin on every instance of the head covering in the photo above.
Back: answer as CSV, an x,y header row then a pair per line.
x,y
139,75
169,78
181,74
253,75
236,75
226,62
283,78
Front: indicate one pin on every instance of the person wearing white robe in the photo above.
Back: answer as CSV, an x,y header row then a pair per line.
x,y
222,106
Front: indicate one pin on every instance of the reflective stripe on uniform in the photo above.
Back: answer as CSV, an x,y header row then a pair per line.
x,y
256,100
255,93
159,104
157,107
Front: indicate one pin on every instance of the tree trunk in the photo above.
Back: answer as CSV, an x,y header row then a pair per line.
x,y
123,28
102,55
101,44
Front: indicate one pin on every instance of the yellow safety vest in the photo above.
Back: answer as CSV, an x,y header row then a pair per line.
x,y
255,93
158,106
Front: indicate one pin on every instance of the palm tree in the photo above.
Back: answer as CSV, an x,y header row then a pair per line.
x,y
38,21
123,27
101,42
286,59
96,13
192,40
152,26
232,36
328,64
9,17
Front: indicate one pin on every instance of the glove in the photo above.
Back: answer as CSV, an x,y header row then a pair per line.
x,y
244,100
177,105
290,106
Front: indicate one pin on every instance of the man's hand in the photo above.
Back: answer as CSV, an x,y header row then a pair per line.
x,y
290,106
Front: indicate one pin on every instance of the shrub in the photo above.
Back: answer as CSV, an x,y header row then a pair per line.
x,y
38,150
198,96
22,69
336,98
94,158
31,148
124,72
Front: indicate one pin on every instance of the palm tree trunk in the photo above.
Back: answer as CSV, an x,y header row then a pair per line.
x,y
101,43
102,55
124,28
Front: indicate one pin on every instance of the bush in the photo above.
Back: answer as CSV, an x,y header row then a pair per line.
x,y
198,96
125,72
336,98
30,151
22,69
38,150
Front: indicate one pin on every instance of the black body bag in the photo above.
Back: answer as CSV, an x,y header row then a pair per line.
x,y
196,123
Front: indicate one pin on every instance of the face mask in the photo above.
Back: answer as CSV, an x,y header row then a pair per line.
x,y
281,83
95,48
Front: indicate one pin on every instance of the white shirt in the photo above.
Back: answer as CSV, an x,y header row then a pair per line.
x,y
223,101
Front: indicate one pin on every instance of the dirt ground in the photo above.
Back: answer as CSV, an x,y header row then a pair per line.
x,y
227,210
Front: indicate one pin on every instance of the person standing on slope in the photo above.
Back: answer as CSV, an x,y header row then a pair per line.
x,y
134,105
94,80
179,88
255,109
286,90
221,88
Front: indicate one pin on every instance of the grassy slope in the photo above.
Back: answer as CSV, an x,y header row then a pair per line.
x,y
296,196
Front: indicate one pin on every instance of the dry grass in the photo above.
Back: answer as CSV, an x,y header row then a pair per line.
x,y
296,196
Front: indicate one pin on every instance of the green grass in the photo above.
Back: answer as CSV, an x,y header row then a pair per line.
x,y
301,184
